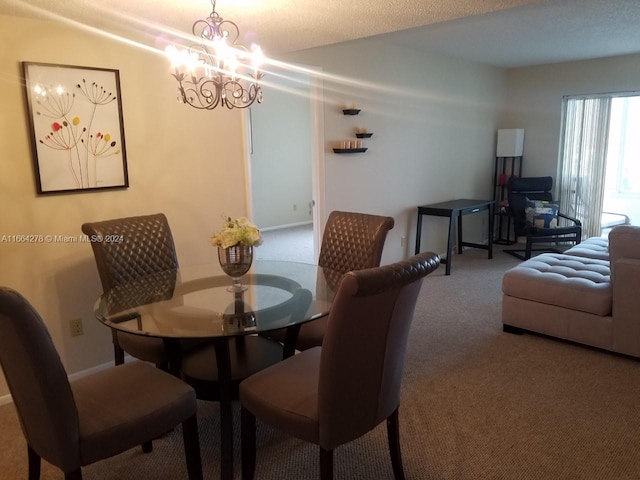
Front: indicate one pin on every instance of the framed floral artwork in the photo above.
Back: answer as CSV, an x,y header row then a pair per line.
x,y
77,131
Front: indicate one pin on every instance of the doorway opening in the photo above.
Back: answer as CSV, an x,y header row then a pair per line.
x,y
285,154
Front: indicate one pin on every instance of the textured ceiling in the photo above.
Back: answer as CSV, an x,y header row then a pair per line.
x,y
548,32
499,32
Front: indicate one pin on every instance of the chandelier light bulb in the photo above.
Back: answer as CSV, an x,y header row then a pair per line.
x,y
216,70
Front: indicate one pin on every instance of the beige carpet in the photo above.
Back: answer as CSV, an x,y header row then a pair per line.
x,y
477,404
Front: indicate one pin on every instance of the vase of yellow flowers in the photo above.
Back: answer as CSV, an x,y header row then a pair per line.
x,y
235,242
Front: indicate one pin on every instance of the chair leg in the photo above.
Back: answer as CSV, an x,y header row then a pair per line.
x,y
528,248
164,366
192,448
118,352
34,463
248,443
147,447
393,435
75,475
326,464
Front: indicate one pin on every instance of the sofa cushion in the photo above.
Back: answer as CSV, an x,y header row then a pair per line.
x,y
594,247
568,281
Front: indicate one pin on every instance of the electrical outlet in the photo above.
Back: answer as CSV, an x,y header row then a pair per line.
x,y
295,207
75,327
403,241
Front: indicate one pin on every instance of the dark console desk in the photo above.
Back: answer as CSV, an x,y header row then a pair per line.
x,y
456,209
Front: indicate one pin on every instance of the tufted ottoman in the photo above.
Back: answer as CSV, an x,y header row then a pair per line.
x,y
590,294
594,247
566,296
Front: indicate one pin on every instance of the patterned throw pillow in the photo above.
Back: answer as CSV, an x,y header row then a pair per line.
x,y
542,214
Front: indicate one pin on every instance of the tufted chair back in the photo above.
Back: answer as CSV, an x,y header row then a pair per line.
x,y
126,249
353,241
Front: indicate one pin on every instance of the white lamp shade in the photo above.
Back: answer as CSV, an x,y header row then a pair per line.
x,y
510,143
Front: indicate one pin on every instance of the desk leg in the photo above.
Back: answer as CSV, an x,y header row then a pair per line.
x,y
418,233
452,224
221,345
490,236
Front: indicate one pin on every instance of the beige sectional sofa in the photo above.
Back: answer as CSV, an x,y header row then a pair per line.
x,y
589,294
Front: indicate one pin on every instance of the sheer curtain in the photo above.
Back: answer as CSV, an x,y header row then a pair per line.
x,y
583,160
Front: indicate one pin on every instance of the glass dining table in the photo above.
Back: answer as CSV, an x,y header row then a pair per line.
x,y
195,302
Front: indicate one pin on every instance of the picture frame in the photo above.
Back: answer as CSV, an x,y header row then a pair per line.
x,y
77,129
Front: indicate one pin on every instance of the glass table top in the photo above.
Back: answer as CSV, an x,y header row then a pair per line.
x,y
195,301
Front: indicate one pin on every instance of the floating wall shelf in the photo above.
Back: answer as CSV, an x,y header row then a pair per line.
x,y
364,135
351,111
349,150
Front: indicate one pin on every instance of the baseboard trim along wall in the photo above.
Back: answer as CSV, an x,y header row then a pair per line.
x,y
288,225
5,399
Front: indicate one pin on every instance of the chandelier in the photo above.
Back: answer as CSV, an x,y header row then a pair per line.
x,y
216,71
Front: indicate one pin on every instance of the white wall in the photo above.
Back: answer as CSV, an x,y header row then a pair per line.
x,y
185,163
434,121
282,156
534,101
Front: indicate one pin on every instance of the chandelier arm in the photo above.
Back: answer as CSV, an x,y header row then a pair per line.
x,y
217,71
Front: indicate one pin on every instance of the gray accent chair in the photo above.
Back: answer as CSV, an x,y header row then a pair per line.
x,y
75,424
334,394
350,241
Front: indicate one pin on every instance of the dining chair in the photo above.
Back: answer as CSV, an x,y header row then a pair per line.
x,y
350,241
74,424
336,393
216,370
126,249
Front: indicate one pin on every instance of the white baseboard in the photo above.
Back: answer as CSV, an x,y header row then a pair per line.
x,y
5,399
288,225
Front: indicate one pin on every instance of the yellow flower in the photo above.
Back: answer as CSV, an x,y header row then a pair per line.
x,y
237,232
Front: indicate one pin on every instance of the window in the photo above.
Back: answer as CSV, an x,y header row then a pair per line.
x,y
600,160
623,155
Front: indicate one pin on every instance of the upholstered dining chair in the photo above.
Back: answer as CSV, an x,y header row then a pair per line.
x,y
126,249
334,394
350,241
75,424
204,370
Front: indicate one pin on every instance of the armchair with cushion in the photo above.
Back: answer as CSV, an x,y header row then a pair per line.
x,y
334,394
537,217
95,417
